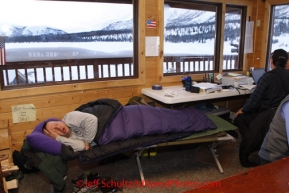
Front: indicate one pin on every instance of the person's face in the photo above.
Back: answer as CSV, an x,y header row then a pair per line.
x,y
59,127
272,64
287,65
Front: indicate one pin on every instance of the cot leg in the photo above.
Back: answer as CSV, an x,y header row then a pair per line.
x,y
138,154
215,158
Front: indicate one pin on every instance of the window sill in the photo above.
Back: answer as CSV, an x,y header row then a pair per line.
x,y
36,91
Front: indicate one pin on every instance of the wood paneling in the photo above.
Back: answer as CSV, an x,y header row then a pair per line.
x,y
4,137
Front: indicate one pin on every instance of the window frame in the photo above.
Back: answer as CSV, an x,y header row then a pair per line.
x,y
135,57
270,34
241,52
218,53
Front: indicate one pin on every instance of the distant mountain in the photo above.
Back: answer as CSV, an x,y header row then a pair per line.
x,y
120,25
16,30
11,30
39,30
187,17
282,11
173,19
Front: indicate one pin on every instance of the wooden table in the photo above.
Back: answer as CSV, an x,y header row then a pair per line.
x,y
273,177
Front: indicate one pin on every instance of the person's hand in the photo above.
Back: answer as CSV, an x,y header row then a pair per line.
x,y
50,132
239,112
87,146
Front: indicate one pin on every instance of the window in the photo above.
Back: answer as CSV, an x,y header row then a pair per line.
x,y
233,37
192,35
279,30
78,41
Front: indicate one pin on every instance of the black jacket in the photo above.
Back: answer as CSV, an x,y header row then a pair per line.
x,y
104,109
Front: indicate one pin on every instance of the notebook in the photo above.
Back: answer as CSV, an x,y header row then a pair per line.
x,y
257,73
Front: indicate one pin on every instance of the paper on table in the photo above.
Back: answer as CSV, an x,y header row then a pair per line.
x,y
234,74
249,87
205,85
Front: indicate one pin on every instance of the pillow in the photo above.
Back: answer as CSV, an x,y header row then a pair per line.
x,y
41,142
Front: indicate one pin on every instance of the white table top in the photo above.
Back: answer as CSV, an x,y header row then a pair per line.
x,y
184,96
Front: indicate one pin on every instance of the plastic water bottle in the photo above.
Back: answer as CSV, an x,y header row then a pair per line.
x,y
189,83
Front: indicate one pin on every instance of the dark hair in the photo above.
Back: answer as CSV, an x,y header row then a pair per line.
x,y
44,126
280,58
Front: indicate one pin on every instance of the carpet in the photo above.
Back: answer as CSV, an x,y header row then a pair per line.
x,y
223,151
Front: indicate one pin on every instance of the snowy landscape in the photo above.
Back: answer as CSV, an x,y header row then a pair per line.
x,y
23,22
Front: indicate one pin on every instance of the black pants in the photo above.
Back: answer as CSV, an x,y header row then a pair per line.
x,y
253,128
243,121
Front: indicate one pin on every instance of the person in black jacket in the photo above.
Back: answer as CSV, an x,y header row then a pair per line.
x,y
254,118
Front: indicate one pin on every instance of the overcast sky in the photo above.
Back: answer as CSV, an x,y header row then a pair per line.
x,y
63,15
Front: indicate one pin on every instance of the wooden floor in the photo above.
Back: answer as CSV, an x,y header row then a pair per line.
x,y
273,177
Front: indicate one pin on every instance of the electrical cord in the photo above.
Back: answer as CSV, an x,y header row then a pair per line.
x,y
242,96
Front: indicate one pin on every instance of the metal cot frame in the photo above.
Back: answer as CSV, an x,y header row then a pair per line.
x,y
212,141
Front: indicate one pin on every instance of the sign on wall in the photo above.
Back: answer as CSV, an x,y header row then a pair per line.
x,y
249,37
151,22
23,113
152,45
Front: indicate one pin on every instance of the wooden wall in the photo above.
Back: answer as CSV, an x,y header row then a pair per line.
x,y
55,101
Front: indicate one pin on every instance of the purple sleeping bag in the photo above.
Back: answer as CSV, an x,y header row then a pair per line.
x,y
131,127
137,121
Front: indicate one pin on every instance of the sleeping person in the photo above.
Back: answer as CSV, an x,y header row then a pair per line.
x,y
114,129
77,129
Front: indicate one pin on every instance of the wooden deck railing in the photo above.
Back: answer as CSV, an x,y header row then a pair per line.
x,y
195,64
41,73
